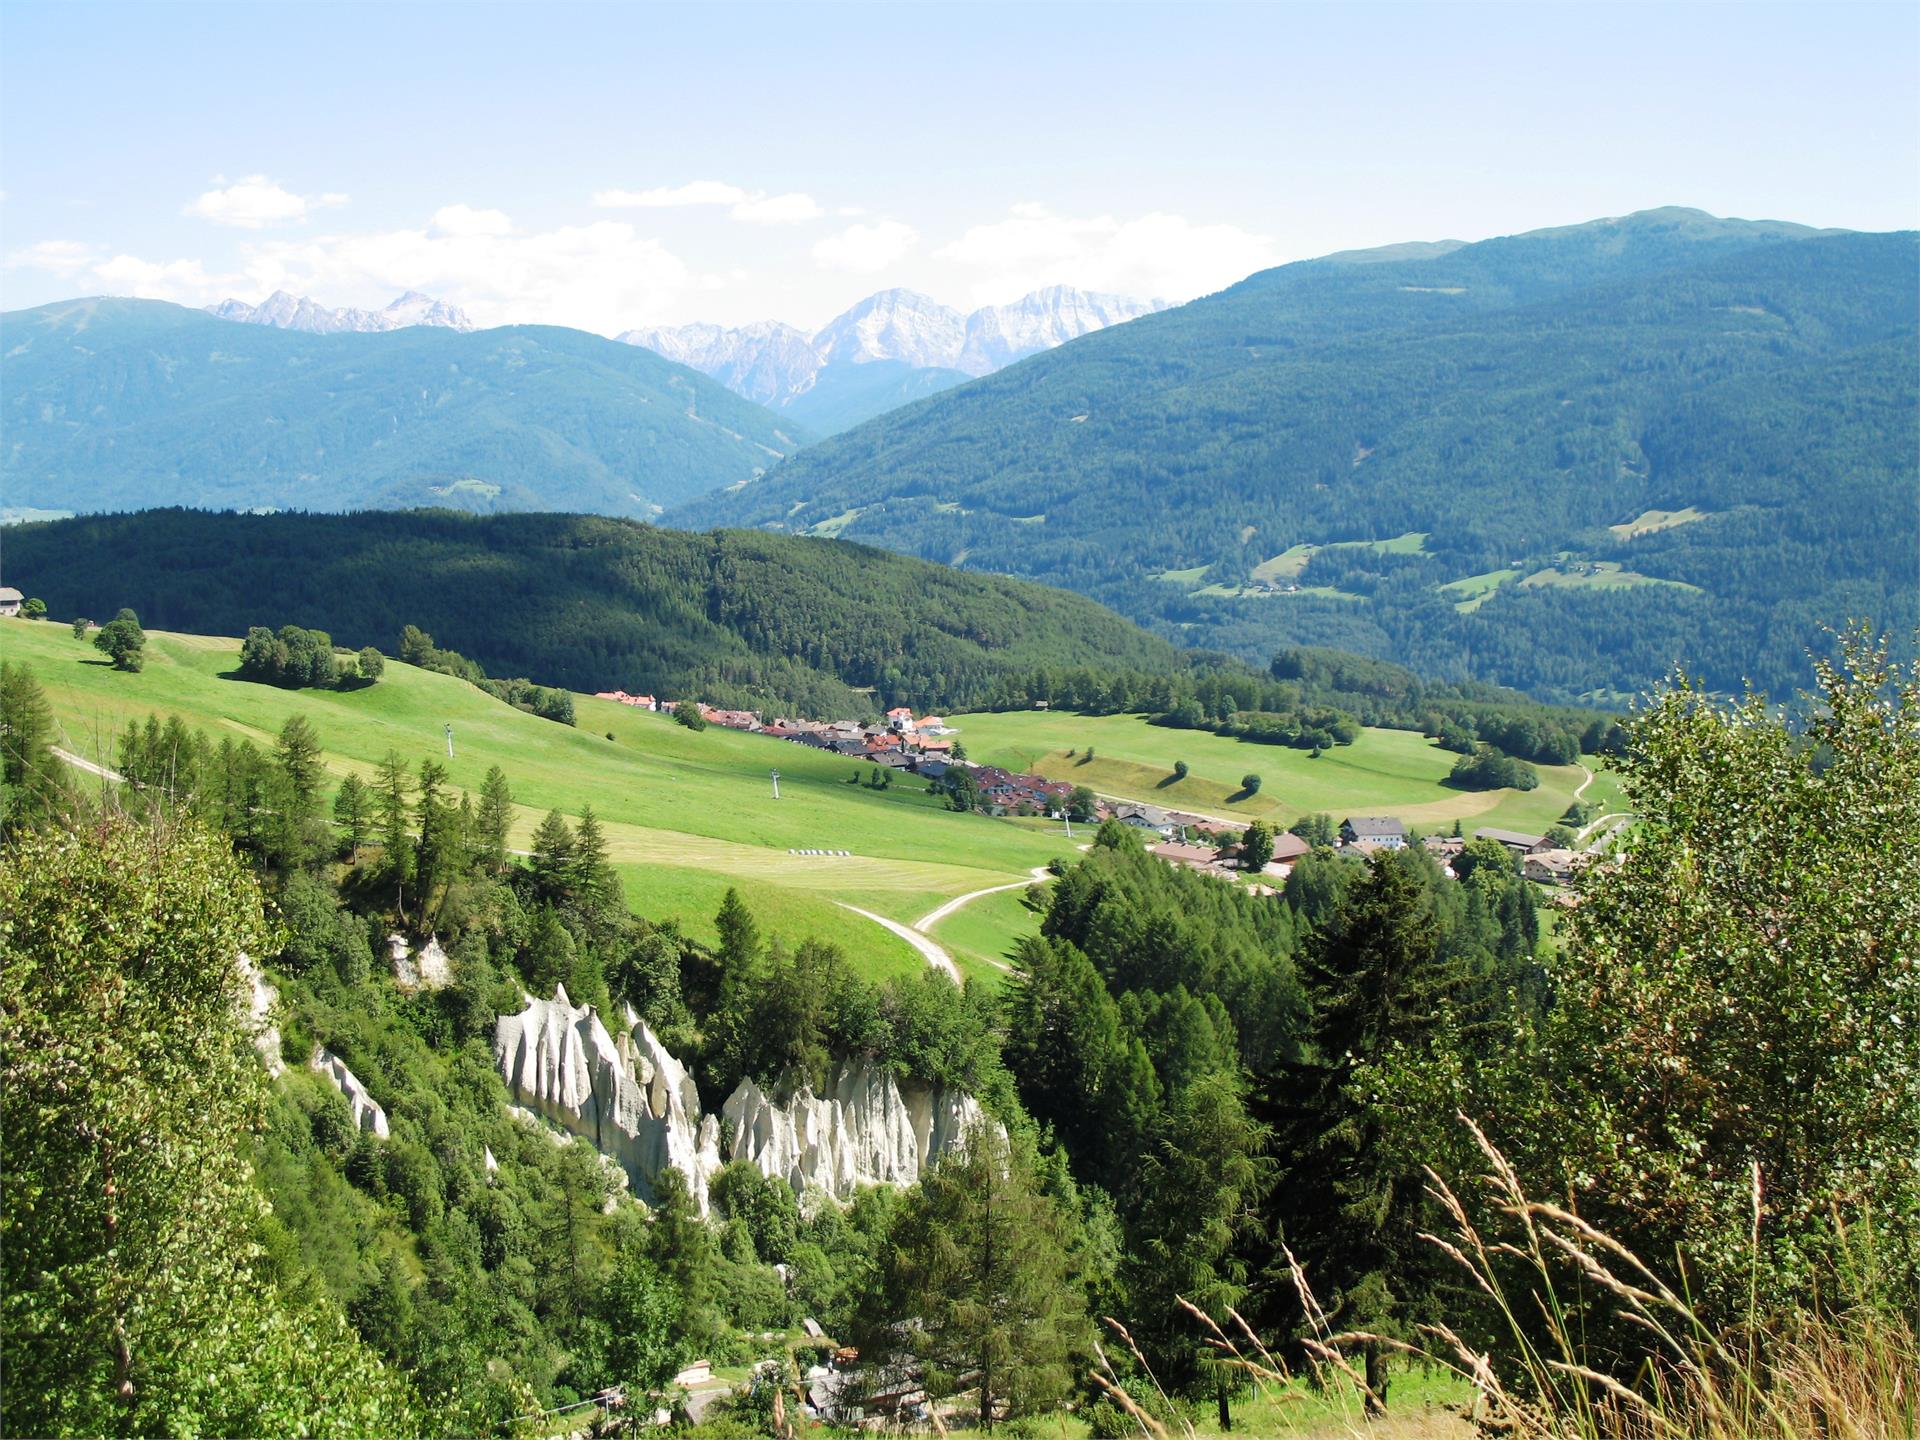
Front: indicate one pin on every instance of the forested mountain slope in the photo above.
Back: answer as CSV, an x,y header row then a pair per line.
x,y
588,602
117,404
1562,461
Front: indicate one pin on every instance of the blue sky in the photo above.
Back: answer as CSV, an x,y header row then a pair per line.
x,y
609,166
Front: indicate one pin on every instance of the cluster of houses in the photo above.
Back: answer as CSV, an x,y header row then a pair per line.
x,y
923,747
1207,847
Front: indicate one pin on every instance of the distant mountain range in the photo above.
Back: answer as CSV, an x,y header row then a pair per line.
x,y
1564,461
124,404
290,312
923,345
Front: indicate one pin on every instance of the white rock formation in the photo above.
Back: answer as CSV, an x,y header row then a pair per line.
x,y
429,970
367,1114
260,1001
624,1095
867,1129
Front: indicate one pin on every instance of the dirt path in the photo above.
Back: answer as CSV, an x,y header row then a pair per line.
x,y
1581,789
87,765
933,917
936,955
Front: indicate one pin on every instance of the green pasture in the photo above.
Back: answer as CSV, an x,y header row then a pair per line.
x,y
1384,772
1598,575
981,932
686,813
1649,521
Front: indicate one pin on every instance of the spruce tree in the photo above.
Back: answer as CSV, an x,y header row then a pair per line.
x,y
552,860
393,790
976,1283
352,811
495,819
1348,1202
33,781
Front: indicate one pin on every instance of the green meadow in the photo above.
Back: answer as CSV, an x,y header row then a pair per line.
x,y
686,813
1384,772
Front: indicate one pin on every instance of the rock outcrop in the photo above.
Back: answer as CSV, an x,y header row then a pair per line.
x,y
623,1094
260,1001
367,1114
866,1129
429,970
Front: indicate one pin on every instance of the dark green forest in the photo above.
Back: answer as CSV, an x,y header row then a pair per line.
x,y
590,603
1509,401
117,404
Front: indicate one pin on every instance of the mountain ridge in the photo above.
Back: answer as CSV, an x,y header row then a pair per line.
x,y
777,364
1359,453
112,403
284,311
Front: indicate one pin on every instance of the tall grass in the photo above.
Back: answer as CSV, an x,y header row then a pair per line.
x,y
1850,1372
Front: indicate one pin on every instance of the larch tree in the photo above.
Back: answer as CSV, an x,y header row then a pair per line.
x,y
976,1286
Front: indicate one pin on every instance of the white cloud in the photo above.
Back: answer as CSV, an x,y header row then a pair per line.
x,y
603,277
864,249
257,202
1151,256
92,271
58,257
697,192
789,209
756,207
185,282
465,220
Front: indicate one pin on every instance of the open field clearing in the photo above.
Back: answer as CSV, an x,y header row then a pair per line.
x,y
1598,575
1384,772
1649,521
686,814
980,933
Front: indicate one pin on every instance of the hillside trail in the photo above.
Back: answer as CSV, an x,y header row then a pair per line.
x,y
87,765
936,955
1581,789
933,917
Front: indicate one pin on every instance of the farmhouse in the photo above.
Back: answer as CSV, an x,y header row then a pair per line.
x,y
1287,848
1199,857
1145,817
621,697
1554,867
1517,841
1382,832
900,720
10,599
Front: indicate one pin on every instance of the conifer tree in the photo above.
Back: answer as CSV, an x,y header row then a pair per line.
x,y
32,778
495,819
1347,1202
352,811
552,860
392,793
976,1283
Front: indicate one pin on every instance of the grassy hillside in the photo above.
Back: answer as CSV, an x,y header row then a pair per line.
x,y
115,404
588,603
686,814
1384,772
1233,471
